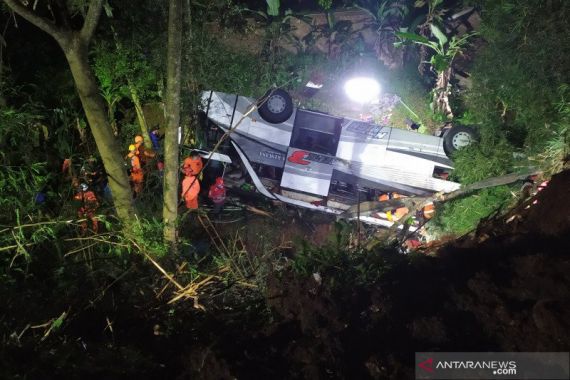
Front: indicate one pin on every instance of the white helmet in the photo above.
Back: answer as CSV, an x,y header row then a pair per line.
x,y
83,187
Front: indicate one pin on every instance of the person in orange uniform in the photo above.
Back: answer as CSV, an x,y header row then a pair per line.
x,y
192,165
192,168
87,207
143,152
397,213
190,191
137,176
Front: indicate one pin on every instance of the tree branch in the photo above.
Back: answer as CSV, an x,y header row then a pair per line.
x,y
91,20
60,36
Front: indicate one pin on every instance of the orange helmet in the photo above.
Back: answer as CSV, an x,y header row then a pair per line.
x,y
138,139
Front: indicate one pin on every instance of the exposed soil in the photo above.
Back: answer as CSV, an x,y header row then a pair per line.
x,y
504,288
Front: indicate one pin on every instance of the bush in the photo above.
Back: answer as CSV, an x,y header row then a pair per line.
x,y
517,74
462,215
480,161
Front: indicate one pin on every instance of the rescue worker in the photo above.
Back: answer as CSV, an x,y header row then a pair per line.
x,y
93,173
137,175
155,138
193,164
395,214
143,152
87,207
217,194
428,211
190,191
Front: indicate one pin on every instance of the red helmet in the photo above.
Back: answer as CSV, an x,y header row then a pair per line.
x,y
219,181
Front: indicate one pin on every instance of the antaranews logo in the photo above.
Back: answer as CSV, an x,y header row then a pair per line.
x,y
497,367
492,365
426,365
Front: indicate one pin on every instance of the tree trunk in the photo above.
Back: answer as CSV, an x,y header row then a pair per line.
x,y
96,114
441,94
174,57
74,45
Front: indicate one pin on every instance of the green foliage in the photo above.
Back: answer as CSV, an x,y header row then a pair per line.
x,y
214,66
311,259
325,4
148,235
65,123
517,75
340,265
462,215
237,265
444,49
492,157
479,161
434,14
273,7
19,187
517,100
384,12
20,130
556,149
119,68
387,14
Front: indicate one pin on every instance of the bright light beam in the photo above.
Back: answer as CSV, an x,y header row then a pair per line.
x,y
362,90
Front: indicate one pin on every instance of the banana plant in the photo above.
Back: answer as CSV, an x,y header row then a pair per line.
x,y
444,51
326,5
430,12
388,16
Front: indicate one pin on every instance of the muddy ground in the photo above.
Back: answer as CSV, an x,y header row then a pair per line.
x,y
503,288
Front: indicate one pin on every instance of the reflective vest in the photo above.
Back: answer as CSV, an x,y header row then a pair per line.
x,y
190,191
136,168
88,200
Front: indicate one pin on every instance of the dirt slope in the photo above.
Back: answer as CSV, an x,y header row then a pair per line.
x,y
505,288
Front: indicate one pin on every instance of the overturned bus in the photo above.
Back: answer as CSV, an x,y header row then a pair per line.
x,y
328,163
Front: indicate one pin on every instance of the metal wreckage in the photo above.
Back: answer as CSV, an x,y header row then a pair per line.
x,y
328,163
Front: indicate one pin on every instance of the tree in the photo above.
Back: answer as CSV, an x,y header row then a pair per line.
x,y
75,44
173,79
123,72
441,61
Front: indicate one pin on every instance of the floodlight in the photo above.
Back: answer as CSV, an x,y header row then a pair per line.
x,y
362,89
